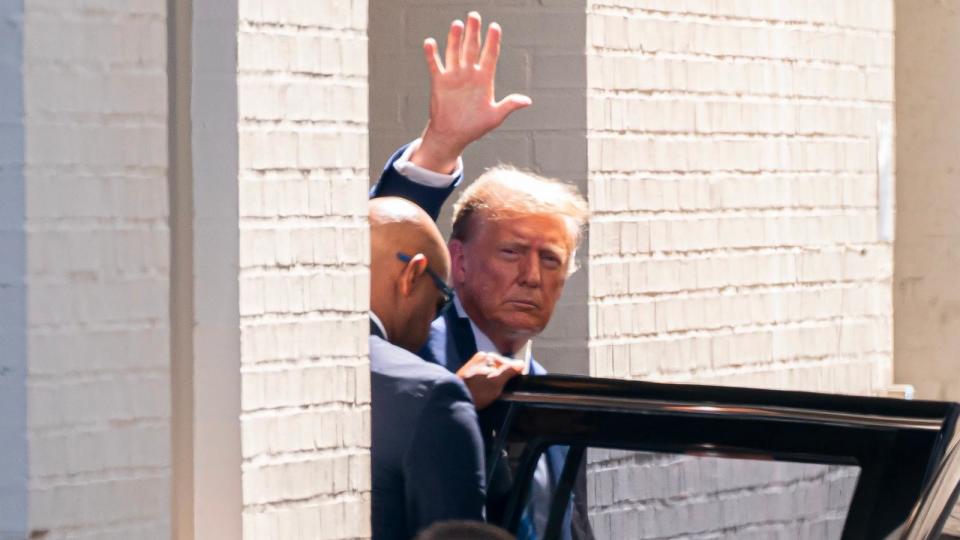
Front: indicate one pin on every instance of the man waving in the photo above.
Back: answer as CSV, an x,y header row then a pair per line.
x,y
513,244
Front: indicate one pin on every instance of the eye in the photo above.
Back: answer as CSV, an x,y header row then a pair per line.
x,y
509,252
551,262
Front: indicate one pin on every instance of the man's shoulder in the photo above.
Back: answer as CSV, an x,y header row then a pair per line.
x,y
394,363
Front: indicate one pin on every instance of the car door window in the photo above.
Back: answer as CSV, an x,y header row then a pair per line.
x,y
660,495
637,494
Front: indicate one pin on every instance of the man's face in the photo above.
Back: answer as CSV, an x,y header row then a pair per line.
x,y
510,273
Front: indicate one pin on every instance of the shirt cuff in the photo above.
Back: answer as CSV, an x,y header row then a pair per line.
x,y
423,176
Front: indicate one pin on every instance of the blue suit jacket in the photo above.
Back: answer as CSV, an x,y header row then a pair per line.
x,y
451,342
394,184
426,448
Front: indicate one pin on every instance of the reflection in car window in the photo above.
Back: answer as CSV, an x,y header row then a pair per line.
x,y
655,495
631,494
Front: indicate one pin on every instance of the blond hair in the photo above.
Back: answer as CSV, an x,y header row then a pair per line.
x,y
505,191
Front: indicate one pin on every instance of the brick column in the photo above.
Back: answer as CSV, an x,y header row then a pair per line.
x,y
542,56
271,258
303,272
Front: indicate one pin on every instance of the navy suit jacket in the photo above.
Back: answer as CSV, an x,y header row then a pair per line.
x,y
426,449
394,184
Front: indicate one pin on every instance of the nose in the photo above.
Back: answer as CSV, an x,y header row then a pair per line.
x,y
530,271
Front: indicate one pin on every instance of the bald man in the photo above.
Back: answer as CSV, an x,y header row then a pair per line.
x,y
426,449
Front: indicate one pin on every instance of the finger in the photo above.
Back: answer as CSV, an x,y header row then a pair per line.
x,y
480,358
497,359
518,365
503,362
501,377
432,56
506,372
454,39
510,104
491,49
482,366
471,40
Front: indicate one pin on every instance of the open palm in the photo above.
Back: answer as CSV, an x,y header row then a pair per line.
x,y
463,105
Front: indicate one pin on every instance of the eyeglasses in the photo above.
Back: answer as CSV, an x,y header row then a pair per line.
x,y
445,290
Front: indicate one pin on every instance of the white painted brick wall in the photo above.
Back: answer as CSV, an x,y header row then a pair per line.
x,y
733,182
304,279
96,269
732,159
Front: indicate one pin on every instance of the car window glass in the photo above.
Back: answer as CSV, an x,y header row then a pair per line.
x,y
631,494
657,495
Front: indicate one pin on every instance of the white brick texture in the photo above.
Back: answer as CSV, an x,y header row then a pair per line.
x,y
96,270
304,278
732,158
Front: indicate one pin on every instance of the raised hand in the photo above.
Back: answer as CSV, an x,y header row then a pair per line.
x,y
463,104
485,375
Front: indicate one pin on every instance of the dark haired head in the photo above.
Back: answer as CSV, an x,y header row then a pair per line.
x,y
463,530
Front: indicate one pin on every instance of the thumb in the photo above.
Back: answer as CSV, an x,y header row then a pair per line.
x,y
511,103
510,364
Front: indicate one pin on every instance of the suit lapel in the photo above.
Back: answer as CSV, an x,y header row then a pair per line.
x,y
463,345
375,330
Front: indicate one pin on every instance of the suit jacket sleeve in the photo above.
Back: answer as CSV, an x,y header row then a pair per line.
x,y
443,467
394,184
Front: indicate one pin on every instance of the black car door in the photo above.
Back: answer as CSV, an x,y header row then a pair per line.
x,y
883,467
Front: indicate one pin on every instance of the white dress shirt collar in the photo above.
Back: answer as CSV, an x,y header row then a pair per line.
x,y
376,320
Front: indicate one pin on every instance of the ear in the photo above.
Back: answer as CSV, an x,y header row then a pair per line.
x,y
458,271
411,271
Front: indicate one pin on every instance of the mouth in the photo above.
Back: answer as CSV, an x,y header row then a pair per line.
x,y
524,305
